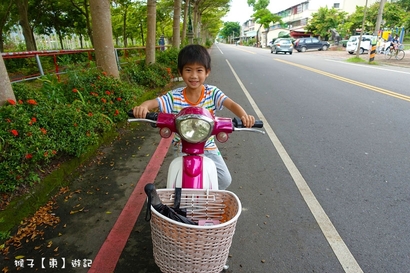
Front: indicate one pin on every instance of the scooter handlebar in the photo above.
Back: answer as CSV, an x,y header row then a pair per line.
x,y
151,115
237,123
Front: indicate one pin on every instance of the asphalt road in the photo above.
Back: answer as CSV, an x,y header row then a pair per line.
x,y
325,190
341,203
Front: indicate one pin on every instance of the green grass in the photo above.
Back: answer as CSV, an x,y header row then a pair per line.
x,y
356,59
360,60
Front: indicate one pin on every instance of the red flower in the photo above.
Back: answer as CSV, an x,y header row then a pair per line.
x,y
14,132
108,92
90,114
116,112
44,131
20,101
75,90
32,102
103,100
54,152
33,120
45,154
8,120
104,73
28,156
119,99
12,102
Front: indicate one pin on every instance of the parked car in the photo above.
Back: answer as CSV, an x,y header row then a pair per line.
x,y
282,45
303,44
365,45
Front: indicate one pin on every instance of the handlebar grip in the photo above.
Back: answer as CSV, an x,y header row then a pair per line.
x,y
130,113
238,123
151,115
258,124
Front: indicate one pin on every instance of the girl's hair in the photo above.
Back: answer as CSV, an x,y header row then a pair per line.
x,y
194,54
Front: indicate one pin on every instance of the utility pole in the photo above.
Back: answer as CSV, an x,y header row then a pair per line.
x,y
379,17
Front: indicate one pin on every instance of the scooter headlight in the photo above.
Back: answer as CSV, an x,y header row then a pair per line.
x,y
194,128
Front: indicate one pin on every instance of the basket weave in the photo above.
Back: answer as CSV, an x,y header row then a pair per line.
x,y
187,248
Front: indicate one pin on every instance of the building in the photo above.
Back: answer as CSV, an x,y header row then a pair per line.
x,y
296,17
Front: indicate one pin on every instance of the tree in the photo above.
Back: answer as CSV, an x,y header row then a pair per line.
x,y
326,19
4,20
205,6
102,33
56,17
230,29
176,39
22,6
82,6
262,15
151,32
6,92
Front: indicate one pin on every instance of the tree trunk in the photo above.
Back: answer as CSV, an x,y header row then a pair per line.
x,y
22,6
185,22
6,92
176,40
151,31
125,28
102,36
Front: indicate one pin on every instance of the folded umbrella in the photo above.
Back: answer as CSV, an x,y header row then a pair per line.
x,y
155,201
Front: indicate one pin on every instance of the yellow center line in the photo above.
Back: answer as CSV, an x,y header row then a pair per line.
x,y
240,48
364,85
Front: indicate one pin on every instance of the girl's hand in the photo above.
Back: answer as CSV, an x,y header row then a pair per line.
x,y
140,111
248,120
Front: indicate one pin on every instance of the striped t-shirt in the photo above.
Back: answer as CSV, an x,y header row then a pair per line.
x,y
174,101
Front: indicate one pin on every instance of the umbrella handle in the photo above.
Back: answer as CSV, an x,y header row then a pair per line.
x,y
148,190
153,199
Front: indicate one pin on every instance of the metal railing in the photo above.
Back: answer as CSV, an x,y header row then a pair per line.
x,y
122,56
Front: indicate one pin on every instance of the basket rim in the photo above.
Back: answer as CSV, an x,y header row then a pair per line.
x,y
234,219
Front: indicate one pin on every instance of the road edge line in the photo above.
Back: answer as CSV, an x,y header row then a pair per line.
x,y
340,249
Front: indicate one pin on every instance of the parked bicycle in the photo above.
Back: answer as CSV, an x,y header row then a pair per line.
x,y
398,53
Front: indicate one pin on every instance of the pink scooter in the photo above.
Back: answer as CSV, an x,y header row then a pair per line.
x,y
189,216
194,125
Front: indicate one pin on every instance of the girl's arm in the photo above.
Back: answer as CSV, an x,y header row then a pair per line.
x,y
237,110
141,111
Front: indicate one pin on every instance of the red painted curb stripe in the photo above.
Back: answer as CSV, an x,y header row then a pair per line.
x,y
111,250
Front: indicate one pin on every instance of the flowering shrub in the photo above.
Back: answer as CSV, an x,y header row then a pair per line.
x,y
58,119
151,75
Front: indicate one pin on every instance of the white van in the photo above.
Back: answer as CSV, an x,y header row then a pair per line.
x,y
365,45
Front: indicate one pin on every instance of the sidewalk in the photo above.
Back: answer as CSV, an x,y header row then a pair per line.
x,y
68,233
340,53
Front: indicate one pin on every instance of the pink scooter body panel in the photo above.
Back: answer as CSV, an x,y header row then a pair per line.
x,y
192,167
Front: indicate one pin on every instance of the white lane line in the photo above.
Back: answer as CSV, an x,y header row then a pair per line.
x,y
371,66
336,242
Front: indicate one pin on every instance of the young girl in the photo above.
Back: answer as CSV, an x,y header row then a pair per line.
x,y
194,66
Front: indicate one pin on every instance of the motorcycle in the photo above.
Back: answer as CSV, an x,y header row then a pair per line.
x,y
188,216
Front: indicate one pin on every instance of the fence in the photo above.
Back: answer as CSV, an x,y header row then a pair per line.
x,y
44,67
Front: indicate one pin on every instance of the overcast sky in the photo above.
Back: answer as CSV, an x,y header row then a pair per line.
x,y
240,11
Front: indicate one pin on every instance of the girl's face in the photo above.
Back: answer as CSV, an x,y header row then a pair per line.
x,y
194,75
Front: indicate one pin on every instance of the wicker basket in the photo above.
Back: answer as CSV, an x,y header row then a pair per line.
x,y
187,248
